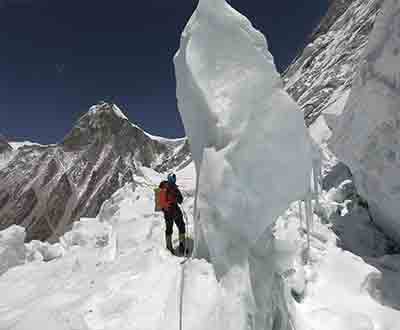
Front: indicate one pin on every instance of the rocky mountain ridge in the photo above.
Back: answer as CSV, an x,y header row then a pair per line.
x,y
325,70
46,188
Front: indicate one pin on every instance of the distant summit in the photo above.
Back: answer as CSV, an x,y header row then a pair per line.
x,y
102,122
103,106
46,188
4,145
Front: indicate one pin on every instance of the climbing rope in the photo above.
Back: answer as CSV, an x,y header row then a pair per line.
x,y
187,257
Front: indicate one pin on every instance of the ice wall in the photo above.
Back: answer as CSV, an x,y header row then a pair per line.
x,y
367,137
252,155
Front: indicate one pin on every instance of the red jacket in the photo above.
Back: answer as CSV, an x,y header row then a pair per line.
x,y
174,197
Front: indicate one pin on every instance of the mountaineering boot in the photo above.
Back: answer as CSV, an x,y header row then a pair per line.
x,y
182,239
168,240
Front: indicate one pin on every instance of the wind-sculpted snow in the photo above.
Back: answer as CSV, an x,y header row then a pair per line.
x,y
252,154
367,137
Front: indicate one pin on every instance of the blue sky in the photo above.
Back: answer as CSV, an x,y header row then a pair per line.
x,y
59,57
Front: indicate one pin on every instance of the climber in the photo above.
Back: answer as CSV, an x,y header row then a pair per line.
x,y
173,213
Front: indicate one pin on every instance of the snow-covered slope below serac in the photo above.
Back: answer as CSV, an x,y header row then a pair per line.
x,y
326,68
46,188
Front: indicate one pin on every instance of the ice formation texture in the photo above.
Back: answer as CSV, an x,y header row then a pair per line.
x,y
12,249
252,155
368,136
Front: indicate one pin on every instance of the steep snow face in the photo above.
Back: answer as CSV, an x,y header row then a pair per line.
x,y
325,70
252,155
367,137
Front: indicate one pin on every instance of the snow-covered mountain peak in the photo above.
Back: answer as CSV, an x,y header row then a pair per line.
x,y
101,124
102,115
62,182
104,107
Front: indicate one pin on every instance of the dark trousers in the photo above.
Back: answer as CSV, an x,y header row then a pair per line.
x,y
169,223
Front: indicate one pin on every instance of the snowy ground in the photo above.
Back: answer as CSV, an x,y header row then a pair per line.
x,y
116,274
110,277
338,290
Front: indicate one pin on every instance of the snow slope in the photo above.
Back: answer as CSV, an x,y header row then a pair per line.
x,y
115,274
339,290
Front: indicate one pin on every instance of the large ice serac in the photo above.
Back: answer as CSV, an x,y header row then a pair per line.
x,y
252,156
368,137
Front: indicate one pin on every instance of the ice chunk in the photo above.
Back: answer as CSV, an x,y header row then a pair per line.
x,y
89,233
367,136
43,251
12,249
252,153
